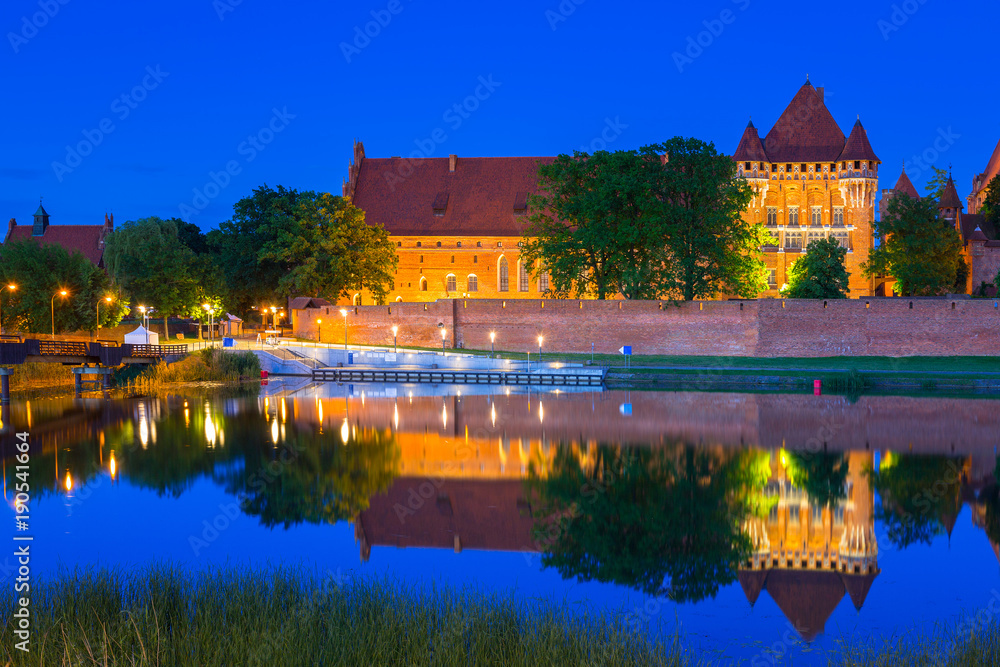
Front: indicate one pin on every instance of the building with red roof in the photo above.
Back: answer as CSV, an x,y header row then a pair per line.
x,y
88,240
810,181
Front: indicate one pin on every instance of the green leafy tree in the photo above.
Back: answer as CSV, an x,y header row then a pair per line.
x,y
822,475
936,185
917,495
149,260
41,271
991,210
663,521
250,280
921,250
329,251
711,248
821,273
598,226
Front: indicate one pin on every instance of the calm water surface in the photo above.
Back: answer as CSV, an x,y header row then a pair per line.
x,y
752,525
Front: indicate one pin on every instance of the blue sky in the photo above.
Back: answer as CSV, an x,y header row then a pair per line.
x,y
201,77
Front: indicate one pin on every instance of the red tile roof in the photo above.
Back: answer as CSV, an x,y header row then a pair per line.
x,y
949,198
750,148
85,239
857,147
805,132
806,597
905,186
478,198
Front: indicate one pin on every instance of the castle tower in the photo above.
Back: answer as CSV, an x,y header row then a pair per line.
x,y
41,220
811,182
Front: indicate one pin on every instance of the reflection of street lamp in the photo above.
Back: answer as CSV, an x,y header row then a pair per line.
x,y
395,330
52,306
319,331
108,299
10,287
343,311
493,340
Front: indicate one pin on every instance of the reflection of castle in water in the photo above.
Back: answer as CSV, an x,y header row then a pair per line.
x,y
807,555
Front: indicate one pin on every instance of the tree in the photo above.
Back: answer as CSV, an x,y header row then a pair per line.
x,y
711,248
41,271
991,209
329,251
921,250
644,226
821,273
149,260
935,187
258,220
598,228
917,496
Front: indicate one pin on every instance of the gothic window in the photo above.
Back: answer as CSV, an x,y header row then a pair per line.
x,y
772,279
502,273
793,215
817,216
842,239
473,282
838,217
423,284
793,240
451,284
522,277
772,216
816,236
543,281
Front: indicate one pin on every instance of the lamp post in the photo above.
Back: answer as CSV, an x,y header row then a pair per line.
x,y
539,349
211,321
395,347
493,340
52,306
444,335
274,315
108,299
343,311
10,287
319,331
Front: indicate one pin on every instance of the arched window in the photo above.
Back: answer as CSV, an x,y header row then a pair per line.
x,y
522,276
543,280
423,284
502,274
473,282
450,283
398,299
356,301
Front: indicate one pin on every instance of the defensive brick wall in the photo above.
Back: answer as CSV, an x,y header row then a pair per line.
x,y
767,327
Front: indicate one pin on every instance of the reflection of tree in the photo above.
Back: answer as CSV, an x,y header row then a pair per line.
x,y
314,478
821,475
918,496
664,521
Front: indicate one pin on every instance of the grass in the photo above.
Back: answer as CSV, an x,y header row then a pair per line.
x,y
164,616
208,365
37,375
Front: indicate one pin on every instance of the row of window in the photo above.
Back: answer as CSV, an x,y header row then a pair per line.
x,y
795,239
804,168
815,216
503,280
458,244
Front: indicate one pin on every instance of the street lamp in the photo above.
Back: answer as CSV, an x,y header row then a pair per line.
x,y
444,334
493,340
539,349
108,299
395,330
10,287
211,321
343,311
52,306
319,331
273,316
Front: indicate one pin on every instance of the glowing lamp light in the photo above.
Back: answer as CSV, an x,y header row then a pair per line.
x,y
493,336
343,311
345,432
69,482
274,430
113,466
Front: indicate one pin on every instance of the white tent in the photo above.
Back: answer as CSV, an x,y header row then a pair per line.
x,y
141,336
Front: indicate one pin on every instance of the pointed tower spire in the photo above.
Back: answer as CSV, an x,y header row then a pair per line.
x,y
750,148
41,220
857,146
949,198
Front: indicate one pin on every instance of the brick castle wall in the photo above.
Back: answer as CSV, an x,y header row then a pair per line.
x,y
766,328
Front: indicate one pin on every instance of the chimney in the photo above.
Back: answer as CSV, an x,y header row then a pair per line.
x,y
452,160
10,227
819,91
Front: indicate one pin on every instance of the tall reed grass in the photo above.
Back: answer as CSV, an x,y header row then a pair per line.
x,y
208,365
